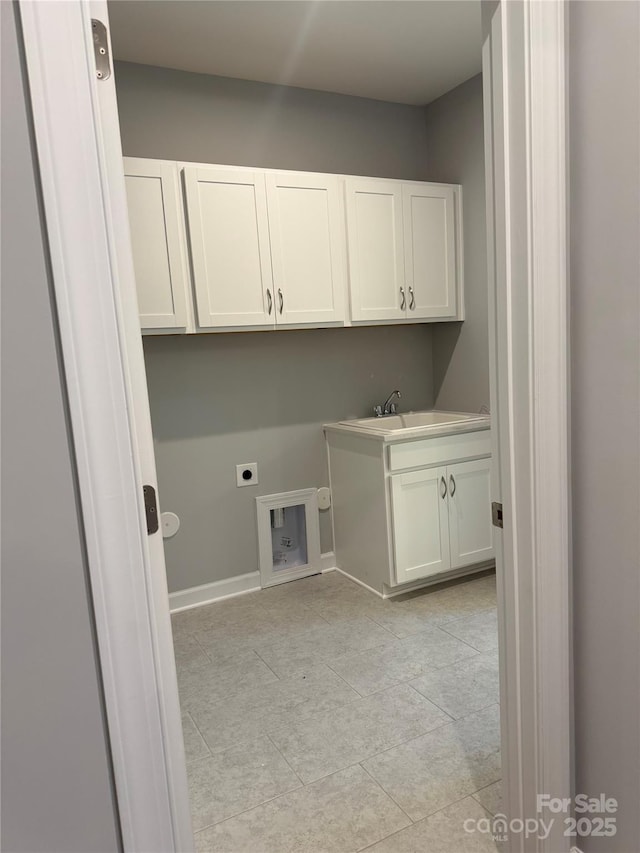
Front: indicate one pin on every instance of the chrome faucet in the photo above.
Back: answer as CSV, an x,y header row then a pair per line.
x,y
387,408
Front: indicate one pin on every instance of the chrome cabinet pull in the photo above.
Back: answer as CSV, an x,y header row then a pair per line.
x,y
403,301
412,302
281,298
452,485
269,301
443,483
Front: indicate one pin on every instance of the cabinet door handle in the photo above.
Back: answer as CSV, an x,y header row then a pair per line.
x,y
281,299
443,483
403,301
412,301
269,301
452,485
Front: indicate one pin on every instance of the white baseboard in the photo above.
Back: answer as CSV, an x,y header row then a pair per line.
x,y
359,582
196,596
328,562
422,584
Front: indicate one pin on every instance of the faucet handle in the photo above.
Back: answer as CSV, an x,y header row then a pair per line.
x,y
377,411
392,408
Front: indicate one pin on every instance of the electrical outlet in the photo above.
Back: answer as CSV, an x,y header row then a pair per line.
x,y
247,474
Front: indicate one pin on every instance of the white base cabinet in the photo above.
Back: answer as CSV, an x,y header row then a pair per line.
x,y
469,509
441,519
410,512
420,524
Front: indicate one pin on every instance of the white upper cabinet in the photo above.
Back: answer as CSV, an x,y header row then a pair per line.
x,y
375,244
430,251
157,238
306,226
272,249
404,250
230,252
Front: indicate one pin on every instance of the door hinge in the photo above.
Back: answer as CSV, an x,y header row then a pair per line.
x,y
151,509
496,514
101,49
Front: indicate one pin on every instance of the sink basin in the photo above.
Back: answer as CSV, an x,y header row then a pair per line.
x,y
411,421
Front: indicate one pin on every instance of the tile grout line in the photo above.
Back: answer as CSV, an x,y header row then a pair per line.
x,y
416,822
259,656
498,781
428,670
204,740
302,787
360,698
475,648
251,808
284,758
360,761
393,800
324,661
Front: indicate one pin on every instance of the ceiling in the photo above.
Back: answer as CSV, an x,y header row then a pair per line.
x,y
410,52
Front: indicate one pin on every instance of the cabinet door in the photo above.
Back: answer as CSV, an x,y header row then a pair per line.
x,y
306,227
470,530
430,250
157,240
420,523
229,237
374,241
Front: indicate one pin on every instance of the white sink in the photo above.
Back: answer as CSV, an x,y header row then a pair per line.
x,y
395,424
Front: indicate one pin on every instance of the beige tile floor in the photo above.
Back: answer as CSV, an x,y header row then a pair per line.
x,y
320,719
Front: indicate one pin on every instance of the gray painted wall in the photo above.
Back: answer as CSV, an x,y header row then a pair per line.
x,y
604,125
455,135
220,400
56,779
178,115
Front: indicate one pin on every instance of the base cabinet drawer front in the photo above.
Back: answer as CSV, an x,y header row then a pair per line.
x,y
470,527
420,524
440,449
157,241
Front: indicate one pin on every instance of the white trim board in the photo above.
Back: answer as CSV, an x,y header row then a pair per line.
x,y
197,596
524,102
328,562
102,357
425,583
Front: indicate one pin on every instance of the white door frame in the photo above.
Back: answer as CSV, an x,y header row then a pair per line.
x,y
525,151
86,220
84,197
